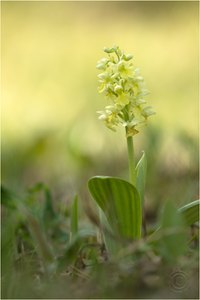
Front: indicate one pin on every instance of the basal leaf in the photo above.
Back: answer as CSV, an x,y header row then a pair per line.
x,y
120,202
173,238
112,244
190,212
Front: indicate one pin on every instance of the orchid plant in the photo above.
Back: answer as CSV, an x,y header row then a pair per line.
x,y
120,201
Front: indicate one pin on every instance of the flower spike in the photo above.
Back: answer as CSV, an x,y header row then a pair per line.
x,y
124,88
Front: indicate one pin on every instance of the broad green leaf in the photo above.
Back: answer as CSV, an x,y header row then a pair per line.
x,y
141,170
112,245
173,238
190,212
74,216
120,202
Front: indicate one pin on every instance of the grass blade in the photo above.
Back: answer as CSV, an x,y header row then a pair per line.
x,y
74,216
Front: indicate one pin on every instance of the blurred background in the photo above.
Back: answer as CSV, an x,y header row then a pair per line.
x,y
50,130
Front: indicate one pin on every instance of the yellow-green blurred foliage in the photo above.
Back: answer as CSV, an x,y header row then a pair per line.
x,y
49,54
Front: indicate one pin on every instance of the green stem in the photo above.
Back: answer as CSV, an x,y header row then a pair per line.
x,y
131,159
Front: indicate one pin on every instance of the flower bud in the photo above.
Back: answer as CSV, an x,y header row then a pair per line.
x,y
101,64
118,88
109,50
102,76
147,111
127,57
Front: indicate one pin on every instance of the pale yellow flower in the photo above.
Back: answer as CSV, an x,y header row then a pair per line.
x,y
124,88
